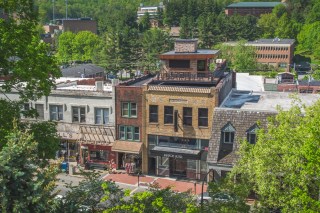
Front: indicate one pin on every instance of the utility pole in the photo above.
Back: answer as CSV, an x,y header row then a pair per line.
x,y
66,9
53,10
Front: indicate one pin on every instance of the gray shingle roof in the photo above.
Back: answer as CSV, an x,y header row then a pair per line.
x,y
82,69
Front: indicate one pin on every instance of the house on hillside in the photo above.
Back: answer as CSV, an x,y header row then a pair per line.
x,y
250,8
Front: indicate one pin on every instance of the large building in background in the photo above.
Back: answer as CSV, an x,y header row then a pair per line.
x,y
276,52
250,8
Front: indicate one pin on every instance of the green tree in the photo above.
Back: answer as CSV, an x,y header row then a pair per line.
x,y
282,168
144,22
157,201
268,24
314,14
236,195
91,195
309,40
45,133
65,47
26,63
84,45
24,185
154,42
240,57
244,59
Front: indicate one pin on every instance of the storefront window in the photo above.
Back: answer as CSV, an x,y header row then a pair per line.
x,y
152,140
192,169
99,155
184,143
204,144
163,166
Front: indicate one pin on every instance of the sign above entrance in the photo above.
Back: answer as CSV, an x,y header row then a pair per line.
x,y
178,100
171,152
68,135
167,155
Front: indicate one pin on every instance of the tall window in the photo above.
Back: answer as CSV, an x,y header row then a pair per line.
x,y
187,116
252,134
227,133
203,117
168,114
102,116
40,111
78,114
56,112
153,114
130,133
129,109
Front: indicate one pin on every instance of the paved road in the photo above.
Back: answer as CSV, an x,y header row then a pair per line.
x,y
64,179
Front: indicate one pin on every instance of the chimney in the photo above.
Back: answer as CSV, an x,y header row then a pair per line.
x,y
186,45
99,86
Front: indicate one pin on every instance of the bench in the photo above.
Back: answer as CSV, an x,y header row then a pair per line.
x,y
98,166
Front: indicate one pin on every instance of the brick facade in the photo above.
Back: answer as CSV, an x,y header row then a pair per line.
x,y
78,25
129,94
248,11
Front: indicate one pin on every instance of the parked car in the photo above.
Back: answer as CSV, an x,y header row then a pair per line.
x,y
206,198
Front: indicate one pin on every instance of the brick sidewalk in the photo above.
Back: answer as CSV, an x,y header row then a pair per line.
x,y
179,186
128,179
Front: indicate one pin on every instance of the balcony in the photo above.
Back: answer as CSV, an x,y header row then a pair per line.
x,y
187,76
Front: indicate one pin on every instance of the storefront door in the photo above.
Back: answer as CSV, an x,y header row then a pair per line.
x,y
178,167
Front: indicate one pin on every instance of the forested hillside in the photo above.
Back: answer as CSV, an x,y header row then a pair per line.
x,y
124,42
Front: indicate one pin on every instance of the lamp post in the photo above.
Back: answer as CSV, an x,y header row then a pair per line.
x,y
204,179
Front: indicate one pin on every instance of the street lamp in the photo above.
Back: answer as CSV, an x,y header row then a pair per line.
x,y
204,179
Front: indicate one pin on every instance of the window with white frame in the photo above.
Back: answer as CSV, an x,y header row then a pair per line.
x,y
227,133
129,109
56,112
130,133
78,114
252,134
101,116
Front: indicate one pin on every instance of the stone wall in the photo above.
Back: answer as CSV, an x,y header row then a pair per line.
x,y
186,46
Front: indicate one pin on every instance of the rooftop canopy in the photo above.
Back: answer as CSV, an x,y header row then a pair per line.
x,y
254,4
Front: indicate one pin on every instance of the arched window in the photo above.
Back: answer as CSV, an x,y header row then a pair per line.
x,y
252,134
227,133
